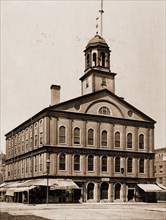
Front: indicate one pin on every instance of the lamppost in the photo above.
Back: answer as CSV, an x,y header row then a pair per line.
x,y
48,169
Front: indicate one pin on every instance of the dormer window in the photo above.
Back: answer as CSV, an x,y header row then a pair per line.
x,y
104,111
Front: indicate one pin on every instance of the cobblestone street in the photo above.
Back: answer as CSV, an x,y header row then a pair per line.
x,y
90,211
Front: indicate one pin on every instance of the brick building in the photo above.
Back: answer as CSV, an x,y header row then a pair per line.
x,y
98,142
160,165
2,167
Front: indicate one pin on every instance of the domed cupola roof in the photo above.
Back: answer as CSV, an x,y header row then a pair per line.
x,y
97,40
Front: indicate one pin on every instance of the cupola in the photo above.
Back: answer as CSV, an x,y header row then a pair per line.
x,y
97,54
97,74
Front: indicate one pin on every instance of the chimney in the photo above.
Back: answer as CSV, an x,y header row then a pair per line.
x,y
55,94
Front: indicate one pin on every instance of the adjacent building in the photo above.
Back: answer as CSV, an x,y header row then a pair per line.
x,y
160,171
2,167
160,165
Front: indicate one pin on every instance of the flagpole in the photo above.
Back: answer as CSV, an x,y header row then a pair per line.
x,y
101,19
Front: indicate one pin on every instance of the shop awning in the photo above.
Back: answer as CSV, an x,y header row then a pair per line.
x,y
64,184
11,191
150,187
162,186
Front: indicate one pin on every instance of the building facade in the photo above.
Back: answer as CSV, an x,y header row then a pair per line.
x,y
98,140
160,165
2,167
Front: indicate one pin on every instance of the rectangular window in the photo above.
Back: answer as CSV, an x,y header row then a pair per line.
x,y
141,166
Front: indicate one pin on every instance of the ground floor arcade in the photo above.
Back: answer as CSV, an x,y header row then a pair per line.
x,y
73,191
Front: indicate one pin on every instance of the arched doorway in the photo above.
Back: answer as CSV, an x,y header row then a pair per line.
x,y
104,191
117,191
90,191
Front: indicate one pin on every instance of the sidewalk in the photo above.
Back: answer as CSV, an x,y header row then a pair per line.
x,y
89,211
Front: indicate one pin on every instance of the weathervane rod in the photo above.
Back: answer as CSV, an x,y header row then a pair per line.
x,y
101,19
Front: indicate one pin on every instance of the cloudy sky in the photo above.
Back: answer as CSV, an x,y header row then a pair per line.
x,y
42,43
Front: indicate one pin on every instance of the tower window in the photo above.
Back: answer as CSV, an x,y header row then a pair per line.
x,y
104,81
102,59
87,83
94,59
87,60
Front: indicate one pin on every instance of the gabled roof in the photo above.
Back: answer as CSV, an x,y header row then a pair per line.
x,y
64,107
82,99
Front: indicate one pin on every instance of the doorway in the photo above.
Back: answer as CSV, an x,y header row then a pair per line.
x,y
130,194
117,191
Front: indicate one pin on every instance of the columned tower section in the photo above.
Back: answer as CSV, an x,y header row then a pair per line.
x,y
97,75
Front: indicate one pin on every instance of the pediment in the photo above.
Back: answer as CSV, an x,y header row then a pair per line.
x,y
93,102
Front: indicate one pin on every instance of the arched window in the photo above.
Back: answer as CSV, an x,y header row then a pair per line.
x,y
90,137
90,191
129,140
102,59
62,133
117,139
141,141
104,163
104,138
141,165
87,60
129,165
117,164
94,59
90,162
104,111
62,162
77,162
104,191
76,136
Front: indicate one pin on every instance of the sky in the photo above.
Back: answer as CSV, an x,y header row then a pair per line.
x,y
42,43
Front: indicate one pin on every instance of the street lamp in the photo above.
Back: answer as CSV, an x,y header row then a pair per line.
x,y
48,169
